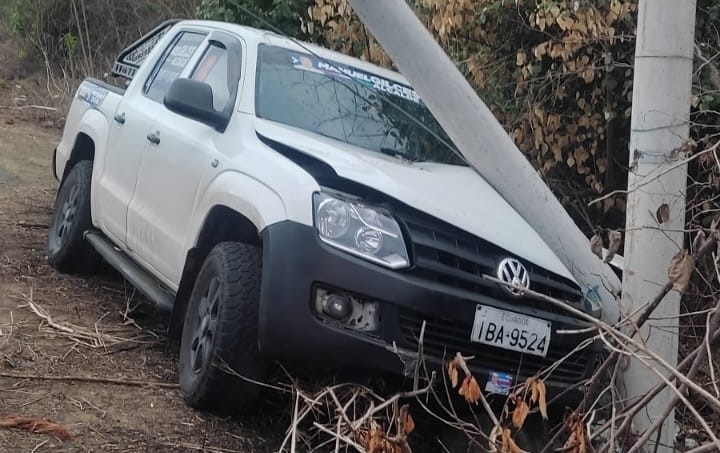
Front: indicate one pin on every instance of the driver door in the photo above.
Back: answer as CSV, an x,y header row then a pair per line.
x,y
182,158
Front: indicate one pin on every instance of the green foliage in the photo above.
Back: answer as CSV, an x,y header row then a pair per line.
x,y
69,43
84,36
284,15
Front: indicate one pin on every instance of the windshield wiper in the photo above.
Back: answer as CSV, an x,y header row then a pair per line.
x,y
397,153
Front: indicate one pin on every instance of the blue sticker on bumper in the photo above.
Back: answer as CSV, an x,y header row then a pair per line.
x,y
499,383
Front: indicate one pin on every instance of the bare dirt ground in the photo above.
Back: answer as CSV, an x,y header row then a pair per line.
x,y
110,341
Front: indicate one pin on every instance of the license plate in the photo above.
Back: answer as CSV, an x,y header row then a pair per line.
x,y
510,330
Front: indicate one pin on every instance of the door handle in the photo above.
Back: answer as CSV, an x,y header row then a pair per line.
x,y
154,137
120,118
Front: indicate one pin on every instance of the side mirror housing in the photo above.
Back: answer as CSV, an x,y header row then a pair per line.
x,y
194,100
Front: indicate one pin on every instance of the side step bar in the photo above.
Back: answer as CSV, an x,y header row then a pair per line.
x,y
140,279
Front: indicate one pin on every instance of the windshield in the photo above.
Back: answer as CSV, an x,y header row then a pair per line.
x,y
348,104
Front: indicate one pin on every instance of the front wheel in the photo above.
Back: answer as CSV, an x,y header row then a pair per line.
x,y
66,247
221,330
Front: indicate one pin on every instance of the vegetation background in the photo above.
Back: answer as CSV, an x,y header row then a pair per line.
x,y
556,73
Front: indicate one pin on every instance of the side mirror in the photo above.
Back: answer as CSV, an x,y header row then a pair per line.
x,y
194,99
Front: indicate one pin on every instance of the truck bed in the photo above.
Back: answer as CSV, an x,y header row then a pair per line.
x,y
112,88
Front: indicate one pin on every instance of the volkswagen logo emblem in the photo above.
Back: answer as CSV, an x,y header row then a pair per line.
x,y
512,272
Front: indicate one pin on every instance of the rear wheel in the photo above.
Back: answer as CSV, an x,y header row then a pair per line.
x,y
66,248
221,331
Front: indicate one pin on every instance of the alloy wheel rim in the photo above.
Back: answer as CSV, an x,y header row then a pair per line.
x,y
205,325
68,212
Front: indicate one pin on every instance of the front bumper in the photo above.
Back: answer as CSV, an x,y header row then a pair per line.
x,y
295,262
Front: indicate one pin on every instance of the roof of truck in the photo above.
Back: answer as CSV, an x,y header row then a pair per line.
x,y
261,36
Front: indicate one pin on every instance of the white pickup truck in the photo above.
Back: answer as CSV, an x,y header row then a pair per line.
x,y
286,203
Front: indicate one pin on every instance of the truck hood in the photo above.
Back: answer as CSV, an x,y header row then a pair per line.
x,y
457,195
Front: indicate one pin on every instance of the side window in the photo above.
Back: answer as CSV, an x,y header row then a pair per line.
x,y
223,75
172,63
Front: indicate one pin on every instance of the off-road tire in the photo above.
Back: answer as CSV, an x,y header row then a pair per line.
x,y
224,301
67,250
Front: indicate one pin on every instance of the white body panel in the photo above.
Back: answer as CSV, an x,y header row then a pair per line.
x,y
454,194
152,199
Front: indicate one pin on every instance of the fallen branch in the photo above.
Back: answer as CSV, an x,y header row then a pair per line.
x,y
35,425
25,107
90,338
694,368
99,380
707,247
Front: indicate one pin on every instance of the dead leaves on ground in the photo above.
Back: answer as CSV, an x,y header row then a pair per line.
x,y
35,425
578,440
508,443
378,441
501,441
470,389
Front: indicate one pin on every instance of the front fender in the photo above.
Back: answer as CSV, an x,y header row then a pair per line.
x,y
243,194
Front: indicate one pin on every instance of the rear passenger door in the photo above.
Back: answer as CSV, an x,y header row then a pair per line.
x,y
183,158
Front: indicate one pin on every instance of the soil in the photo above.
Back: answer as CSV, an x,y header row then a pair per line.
x,y
125,338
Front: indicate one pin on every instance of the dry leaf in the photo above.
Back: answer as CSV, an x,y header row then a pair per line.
x,y
409,424
375,440
35,425
405,421
680,271
596,245
614,237
520,413
577,441
663,213
453,372
530,384
699,240
537,394
509,445
542,402
470,390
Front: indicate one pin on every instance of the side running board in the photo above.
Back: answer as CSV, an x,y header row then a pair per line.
x,y
140,279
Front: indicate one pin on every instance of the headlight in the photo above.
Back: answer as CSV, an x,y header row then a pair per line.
x,y
362,230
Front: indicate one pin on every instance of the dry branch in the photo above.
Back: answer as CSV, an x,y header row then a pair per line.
x,y
35,425
98,380
92,338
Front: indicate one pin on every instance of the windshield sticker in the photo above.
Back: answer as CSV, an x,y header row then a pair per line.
x,y
313,64
92,94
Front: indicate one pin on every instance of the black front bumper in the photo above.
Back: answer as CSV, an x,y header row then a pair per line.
x,y
295,262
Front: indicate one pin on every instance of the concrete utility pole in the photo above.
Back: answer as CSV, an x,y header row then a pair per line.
x,y
481,139
660,114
